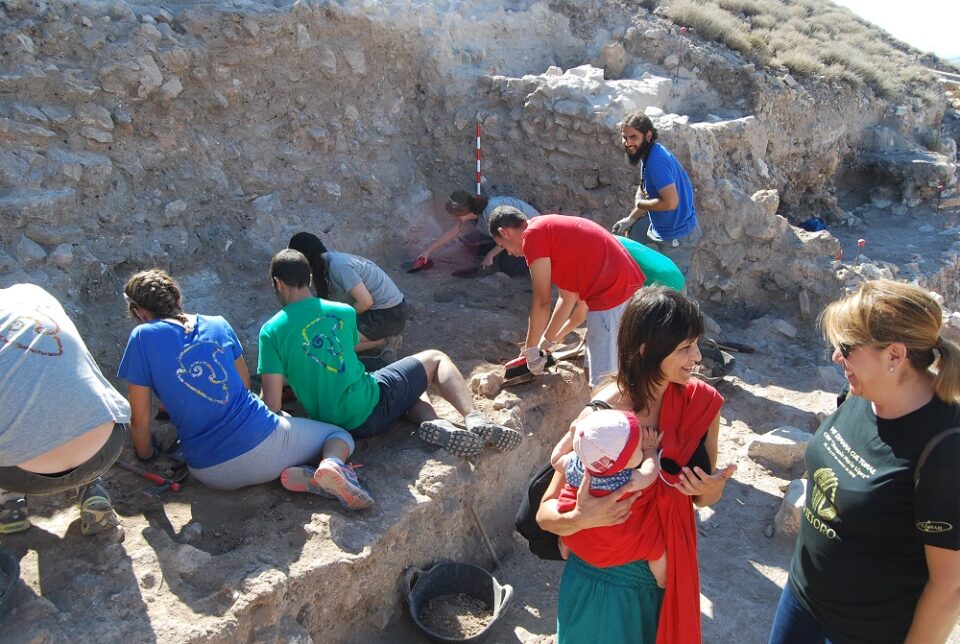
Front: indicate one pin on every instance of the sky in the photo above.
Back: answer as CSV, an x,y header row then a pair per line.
x,y
928,25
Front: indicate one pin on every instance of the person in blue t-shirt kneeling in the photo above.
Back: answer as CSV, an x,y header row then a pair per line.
x,y
227,435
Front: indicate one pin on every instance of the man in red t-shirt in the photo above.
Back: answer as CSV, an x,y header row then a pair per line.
x,y
586,263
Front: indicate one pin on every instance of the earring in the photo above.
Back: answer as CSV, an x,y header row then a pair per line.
x,y
891,369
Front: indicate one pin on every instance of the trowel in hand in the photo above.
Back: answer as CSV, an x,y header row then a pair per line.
x,y
516,371
420,264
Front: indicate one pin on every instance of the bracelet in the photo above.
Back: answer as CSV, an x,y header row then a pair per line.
x,y
596,404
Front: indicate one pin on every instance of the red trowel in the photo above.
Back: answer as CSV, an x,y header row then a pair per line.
x,y
420,264
516,371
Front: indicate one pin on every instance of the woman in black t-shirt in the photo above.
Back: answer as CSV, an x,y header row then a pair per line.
x,y
878,555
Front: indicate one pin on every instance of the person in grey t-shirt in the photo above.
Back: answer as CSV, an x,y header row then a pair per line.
x,y
62,424
466,208
357,281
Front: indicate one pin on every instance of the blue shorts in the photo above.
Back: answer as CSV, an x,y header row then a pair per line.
x,y
401,385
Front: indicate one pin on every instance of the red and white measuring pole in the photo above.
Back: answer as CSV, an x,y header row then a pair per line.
x,y
478,159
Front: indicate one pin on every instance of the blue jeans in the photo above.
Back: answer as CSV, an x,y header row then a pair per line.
x,y
401,384
794,624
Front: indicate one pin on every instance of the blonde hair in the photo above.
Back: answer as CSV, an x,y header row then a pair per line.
x,y
881,312
155,291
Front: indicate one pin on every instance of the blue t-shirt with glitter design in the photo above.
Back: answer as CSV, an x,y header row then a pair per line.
x,y
194,376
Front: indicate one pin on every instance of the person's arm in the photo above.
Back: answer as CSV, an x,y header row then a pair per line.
x,y
668,199
362,300
589,511
140,398
489,257
939,604
562,312
706,489
576,319
272,390
444,239
540,305
241,366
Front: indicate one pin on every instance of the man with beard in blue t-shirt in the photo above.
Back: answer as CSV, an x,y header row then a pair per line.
x,y
665,193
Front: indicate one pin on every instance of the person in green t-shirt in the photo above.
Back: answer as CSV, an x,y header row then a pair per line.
x,y
310,342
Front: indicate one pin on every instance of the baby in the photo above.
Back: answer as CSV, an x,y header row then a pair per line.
x,y
611,445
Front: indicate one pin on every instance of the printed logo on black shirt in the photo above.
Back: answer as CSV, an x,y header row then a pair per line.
x,y
822,501
934,527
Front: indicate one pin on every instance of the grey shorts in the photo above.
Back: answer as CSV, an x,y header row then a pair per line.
x,y
15,479
377,324
401,385
679,250
602,330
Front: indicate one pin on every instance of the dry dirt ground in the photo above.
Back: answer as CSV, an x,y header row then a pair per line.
x,y
742,569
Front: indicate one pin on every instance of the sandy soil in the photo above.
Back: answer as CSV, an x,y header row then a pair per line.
x,y
742,568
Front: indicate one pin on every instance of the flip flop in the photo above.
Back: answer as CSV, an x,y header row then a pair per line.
x,y
420,264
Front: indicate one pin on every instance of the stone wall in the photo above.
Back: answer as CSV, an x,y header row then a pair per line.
x,y
199,137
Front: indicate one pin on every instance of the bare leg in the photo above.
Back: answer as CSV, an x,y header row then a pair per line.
x,y
659,570
366,344
444,375
336,447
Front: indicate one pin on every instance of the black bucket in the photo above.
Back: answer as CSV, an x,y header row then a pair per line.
x,y
10,566
450,578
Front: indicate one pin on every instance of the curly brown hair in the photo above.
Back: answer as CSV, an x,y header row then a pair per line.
x,y
155,291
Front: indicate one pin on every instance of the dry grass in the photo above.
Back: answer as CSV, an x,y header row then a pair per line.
x,y
808,37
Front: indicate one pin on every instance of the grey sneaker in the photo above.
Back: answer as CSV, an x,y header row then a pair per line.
x,y
96,510
450,437
13,516
390,351
498,437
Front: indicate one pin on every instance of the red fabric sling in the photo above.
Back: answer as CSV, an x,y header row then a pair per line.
x,y
661,516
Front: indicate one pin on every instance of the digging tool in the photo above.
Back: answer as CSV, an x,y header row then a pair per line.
x,y
150,476
181,474
420,264
516,372
730,346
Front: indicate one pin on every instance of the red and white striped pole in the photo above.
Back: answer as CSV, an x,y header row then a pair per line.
x,y
478,159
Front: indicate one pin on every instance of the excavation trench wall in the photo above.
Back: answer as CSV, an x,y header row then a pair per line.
x,y
199,137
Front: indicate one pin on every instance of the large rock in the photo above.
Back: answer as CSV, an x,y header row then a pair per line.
x,y
780,450
790,514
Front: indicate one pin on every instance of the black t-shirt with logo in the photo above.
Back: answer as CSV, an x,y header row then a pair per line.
x,y
859,565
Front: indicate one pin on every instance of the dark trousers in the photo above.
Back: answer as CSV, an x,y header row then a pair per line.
x,y
794,624
15,479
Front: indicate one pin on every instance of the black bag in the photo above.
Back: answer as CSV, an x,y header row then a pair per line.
x,y
541,543
545,544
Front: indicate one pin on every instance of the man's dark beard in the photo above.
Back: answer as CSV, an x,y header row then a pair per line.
x,y
640,154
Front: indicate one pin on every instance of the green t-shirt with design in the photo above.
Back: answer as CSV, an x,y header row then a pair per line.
x,y
657,267
310,343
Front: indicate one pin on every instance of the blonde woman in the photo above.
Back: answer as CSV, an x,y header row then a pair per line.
x,y
878,555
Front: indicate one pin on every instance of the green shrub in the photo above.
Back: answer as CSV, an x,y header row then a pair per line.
x,y
800,62
808,37
711,22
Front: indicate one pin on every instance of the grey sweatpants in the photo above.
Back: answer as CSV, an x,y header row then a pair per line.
x,y
295,441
